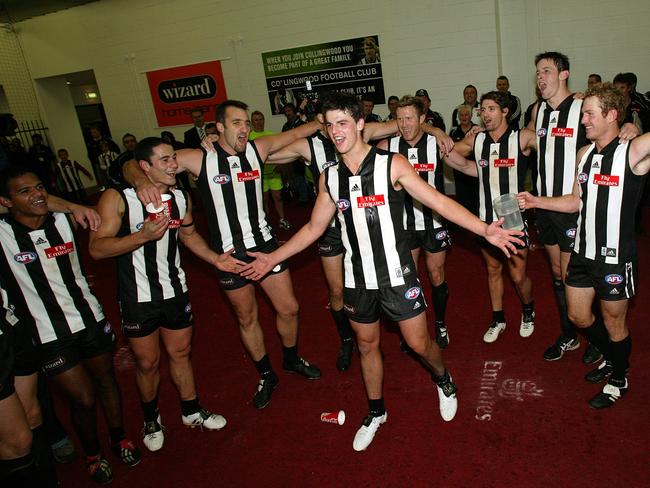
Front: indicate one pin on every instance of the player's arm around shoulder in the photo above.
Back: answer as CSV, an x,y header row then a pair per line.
x,y
288,154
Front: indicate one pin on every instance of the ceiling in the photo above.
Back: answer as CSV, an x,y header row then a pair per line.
x,y
12,11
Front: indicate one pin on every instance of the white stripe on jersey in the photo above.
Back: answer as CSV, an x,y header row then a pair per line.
x,y
615,202
319,153
136,219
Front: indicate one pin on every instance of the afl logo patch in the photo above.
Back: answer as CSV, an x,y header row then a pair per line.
x,y
582,177
221,179
188,308
483,163
441,235
412,293
614,279
107,328
541,132
571,233
25,257
343,204
139,225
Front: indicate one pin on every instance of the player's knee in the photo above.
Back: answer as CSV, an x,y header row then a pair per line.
x,y
518,279
289,310
148,364
418,344
367,346
18,445
494,269
180,351
579,320
437,276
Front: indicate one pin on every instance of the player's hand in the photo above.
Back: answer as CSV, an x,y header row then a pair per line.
x,y
628,132
208,142
259,268
227,263
525,200
148,193
445,144
502,238
85,216
475,129
153,230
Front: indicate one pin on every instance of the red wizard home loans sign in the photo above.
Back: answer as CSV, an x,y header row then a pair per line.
x,y
175,92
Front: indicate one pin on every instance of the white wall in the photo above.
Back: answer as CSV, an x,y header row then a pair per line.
x,y
440,45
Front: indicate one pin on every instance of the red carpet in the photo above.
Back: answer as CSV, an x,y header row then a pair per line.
x,y
522,421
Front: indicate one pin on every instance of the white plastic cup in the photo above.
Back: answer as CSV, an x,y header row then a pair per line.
x,y
333,417
507,207
165,210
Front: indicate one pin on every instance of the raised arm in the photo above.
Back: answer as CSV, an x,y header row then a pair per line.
x,y
269,144
403,175
533,117
379,130
321,215
295,150
104,243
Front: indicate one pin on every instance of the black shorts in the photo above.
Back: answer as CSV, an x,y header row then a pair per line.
x,y
330,243
485,244
398,303
26,361
556,228
232,281
6,361
612,282
63,354
143,319
432,240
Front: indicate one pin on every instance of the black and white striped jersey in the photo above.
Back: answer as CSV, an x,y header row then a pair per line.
x,y
323,154
424,158
609,194
43,286
559,136
70,175
501,169
231,189
370,213
153,271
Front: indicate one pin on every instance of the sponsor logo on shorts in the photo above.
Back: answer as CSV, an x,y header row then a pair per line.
x,y
188,308
139,225
582,178
416,306
571,233
60,250
541,132
325,247
328,164
412,293
131,326
349,308
483,163
562,132
227,281
221,179
614,279
441,235
614,291
54,364
343,204
25,257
